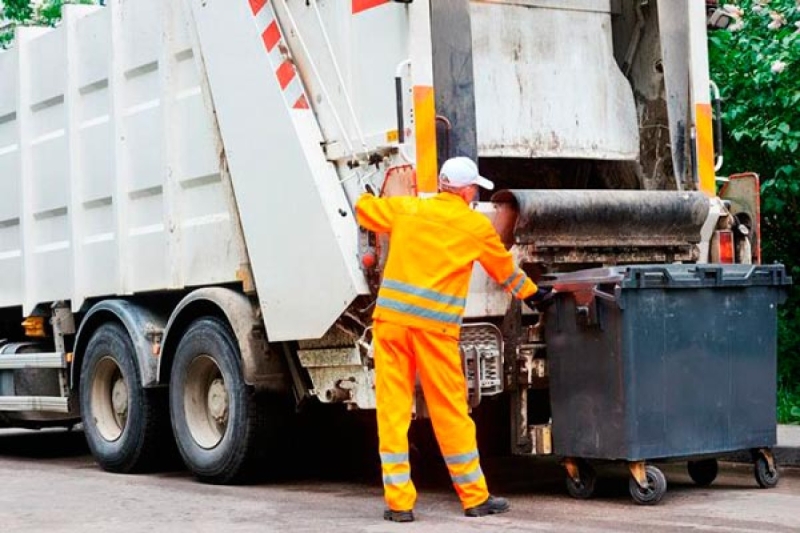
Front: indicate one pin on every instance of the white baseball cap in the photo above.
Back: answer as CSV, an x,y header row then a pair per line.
x,y
462,171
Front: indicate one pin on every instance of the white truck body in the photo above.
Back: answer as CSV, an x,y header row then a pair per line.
x,y
115,173
165,164
121,172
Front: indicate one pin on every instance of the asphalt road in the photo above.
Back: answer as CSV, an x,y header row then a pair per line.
x,y
50,484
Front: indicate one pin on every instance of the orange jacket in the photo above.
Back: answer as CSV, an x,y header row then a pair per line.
x,y
433,245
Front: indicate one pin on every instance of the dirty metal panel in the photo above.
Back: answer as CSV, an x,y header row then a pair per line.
x,y
742,191
486,298
453,80
673,22
329,357
334,338
547,83
598,6
482,349
353,385
339,375
610,255
604,218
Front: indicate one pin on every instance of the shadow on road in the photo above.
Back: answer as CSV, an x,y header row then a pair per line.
x,y
42,444
332,448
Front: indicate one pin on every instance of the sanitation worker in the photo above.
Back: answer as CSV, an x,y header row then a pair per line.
x,y
433,245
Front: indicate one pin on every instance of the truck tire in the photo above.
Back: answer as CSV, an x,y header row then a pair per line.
x,y
124,423
218,423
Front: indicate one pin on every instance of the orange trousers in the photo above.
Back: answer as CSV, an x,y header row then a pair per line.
x,y
400,353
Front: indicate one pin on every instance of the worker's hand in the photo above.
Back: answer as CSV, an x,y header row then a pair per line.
x,y
541,299
401,180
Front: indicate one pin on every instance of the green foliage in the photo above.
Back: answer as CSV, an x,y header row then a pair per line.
x,y
788,407
23,13
19,10
756,63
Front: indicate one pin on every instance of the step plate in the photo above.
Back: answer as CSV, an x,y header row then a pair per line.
x,y
32,360
54,404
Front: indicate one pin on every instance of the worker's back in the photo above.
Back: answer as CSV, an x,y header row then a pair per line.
x,y
433,245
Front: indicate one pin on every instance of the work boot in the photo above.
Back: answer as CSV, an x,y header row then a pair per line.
x,y
398,516
493,505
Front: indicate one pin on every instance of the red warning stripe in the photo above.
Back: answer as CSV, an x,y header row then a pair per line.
x,y
285,73
301,103
256,5
271,36
363,5
285,70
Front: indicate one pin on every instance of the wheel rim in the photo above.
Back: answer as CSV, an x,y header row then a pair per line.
x,y
584,486
110,399
649,491
206,402
767,476
656,487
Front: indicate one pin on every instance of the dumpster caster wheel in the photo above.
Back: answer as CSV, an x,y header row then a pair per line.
x,y
703,472
765,470
655,489
581,486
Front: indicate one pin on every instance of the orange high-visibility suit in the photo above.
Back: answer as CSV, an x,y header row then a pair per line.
x,y
433,245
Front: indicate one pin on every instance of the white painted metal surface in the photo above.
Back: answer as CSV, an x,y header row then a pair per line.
x,y
364,104
32,360
673,27
485,297
52,404
546,81
298,225
113,167
109,161
348,63
116,129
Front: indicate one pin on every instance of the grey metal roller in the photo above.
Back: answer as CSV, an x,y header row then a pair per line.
x,y
601,218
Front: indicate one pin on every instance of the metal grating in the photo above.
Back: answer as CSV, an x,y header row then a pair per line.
x,y
482,349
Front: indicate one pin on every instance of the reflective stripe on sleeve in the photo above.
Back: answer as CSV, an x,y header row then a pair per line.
x,y
510,279
516,288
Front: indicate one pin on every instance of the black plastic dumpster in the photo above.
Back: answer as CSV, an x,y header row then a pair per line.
x,y
664,362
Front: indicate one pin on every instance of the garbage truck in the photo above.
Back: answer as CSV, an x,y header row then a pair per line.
x,y
179,255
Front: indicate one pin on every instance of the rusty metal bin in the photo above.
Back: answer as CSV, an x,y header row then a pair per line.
x,y
658,362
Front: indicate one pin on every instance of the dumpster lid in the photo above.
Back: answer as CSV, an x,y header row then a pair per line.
x,y
672,276
584,279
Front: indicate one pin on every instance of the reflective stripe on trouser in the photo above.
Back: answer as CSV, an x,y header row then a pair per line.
x,y
442,377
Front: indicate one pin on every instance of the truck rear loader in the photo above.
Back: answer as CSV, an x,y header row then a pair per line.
x,y
178,247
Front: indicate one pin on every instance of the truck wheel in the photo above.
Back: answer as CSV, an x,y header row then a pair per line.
x,y
703,472
123,422
216,418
